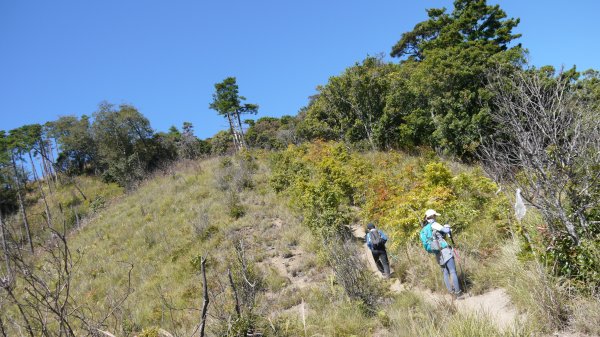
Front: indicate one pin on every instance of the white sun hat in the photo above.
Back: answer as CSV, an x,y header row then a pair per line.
x,y
431,212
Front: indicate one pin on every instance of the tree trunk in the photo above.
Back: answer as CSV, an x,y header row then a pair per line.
x,y
39,183
369,136
206,299
46,165
5,248
243,139
21,204
235,295
234,134
78,189
2,329
53,172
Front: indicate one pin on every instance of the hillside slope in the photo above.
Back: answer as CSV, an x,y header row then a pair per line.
x,y
137,263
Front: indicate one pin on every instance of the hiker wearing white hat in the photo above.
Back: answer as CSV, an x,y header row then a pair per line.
x,y
433,238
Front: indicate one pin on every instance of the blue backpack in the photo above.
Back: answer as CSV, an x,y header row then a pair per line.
x,y
430,240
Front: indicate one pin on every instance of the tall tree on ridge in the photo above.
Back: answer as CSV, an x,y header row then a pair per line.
x,y
227,103
450,54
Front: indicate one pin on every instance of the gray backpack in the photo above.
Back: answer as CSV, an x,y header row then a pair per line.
x,y
376,239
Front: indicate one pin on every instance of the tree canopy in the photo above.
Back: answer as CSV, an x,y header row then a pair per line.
x,y
472,22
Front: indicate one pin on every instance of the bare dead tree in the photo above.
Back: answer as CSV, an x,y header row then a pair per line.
x,y
249,281
40,290
547,144
47,173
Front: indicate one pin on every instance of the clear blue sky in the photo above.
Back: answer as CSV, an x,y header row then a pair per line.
x,y
64,57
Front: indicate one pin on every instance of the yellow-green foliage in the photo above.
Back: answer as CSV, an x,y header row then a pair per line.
x,y
466,199
324,179
333,186
150,332
393,190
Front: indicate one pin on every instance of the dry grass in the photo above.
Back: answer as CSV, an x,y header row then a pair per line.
x,y
170,220
540,296
410,315
586,315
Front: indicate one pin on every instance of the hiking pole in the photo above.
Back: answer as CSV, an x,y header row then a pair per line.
x,y
462,273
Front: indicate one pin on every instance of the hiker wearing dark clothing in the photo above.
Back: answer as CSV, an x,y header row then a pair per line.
x,y
376,240
433,238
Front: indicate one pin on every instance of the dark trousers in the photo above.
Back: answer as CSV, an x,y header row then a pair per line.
x,y
381,260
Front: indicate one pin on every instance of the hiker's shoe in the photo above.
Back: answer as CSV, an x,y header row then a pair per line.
x,y
459,295
386,275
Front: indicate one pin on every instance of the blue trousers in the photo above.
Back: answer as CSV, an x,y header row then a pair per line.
x,y
449,270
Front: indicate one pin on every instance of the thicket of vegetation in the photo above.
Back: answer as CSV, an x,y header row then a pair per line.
x,y
379,142
332,186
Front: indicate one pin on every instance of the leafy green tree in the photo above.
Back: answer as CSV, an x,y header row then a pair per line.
x,y
126,144
264,133
472,22
78,150
352,106
222,143
227,103
450,54
588,88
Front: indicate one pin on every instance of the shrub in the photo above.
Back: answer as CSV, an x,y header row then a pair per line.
x,y
149,332
323,180
234,205
275,282
353,275
203,225
97,204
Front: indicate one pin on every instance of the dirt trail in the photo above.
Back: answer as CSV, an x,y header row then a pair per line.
x,y
496,303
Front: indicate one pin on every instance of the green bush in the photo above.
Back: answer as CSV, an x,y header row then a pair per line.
x,y
149,332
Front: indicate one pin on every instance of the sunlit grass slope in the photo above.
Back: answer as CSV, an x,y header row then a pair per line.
x,y
71,202
157,234
163,228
